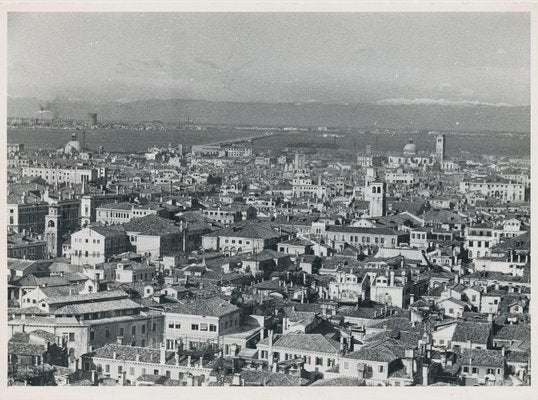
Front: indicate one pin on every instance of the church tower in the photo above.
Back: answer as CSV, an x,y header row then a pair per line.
x,y
371,176
377,198
440,148
52,231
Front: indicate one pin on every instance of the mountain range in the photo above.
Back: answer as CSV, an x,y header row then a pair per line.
x,y
435,115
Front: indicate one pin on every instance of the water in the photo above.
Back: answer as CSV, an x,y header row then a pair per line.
x,y
347,145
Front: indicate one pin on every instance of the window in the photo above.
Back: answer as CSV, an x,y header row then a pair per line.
x,y
143,329
121,331
71,336
131,370
155,372
465,369
203,327
380,369
154,327
107,333
194,327
177,326
319,361
475,370
133,330
92,335
212,328
107,368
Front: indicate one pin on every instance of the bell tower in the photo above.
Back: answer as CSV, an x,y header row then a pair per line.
x,y
52,231
377,198
440,148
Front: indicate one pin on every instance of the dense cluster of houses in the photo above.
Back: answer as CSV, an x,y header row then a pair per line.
x,y
165,269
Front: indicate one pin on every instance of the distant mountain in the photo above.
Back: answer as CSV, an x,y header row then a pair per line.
x,y
444,116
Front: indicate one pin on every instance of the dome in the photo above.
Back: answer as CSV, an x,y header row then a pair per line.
x,y
410,148
73,146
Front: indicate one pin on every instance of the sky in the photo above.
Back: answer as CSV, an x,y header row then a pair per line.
x,y
385,58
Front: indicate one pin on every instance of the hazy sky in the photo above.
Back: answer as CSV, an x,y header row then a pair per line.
x,y
358,57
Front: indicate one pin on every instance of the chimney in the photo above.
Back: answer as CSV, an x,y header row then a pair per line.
x,y
425,375
189,361
137,357
162,358
391,278
443,357
121,378
237,380
94,378
270,336
190,380
114,355
409,361
503,351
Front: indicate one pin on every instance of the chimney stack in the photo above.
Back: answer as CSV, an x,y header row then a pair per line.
x,y
270,336
162,349
425,375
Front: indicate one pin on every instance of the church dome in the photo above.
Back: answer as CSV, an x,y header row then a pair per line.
x,y
73,146
410,148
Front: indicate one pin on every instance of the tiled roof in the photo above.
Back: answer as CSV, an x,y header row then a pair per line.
x,y
339,381
252,230
117,206
26,349
513,332
386,350
100,306
482,357
307,342
128,353
358,229
81,298
517,356
267,378
402,324
213,307
146,354
151,225
32,280
108,231
477,332
40,333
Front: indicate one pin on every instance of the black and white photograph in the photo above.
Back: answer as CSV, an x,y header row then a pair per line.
x,y
267,199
